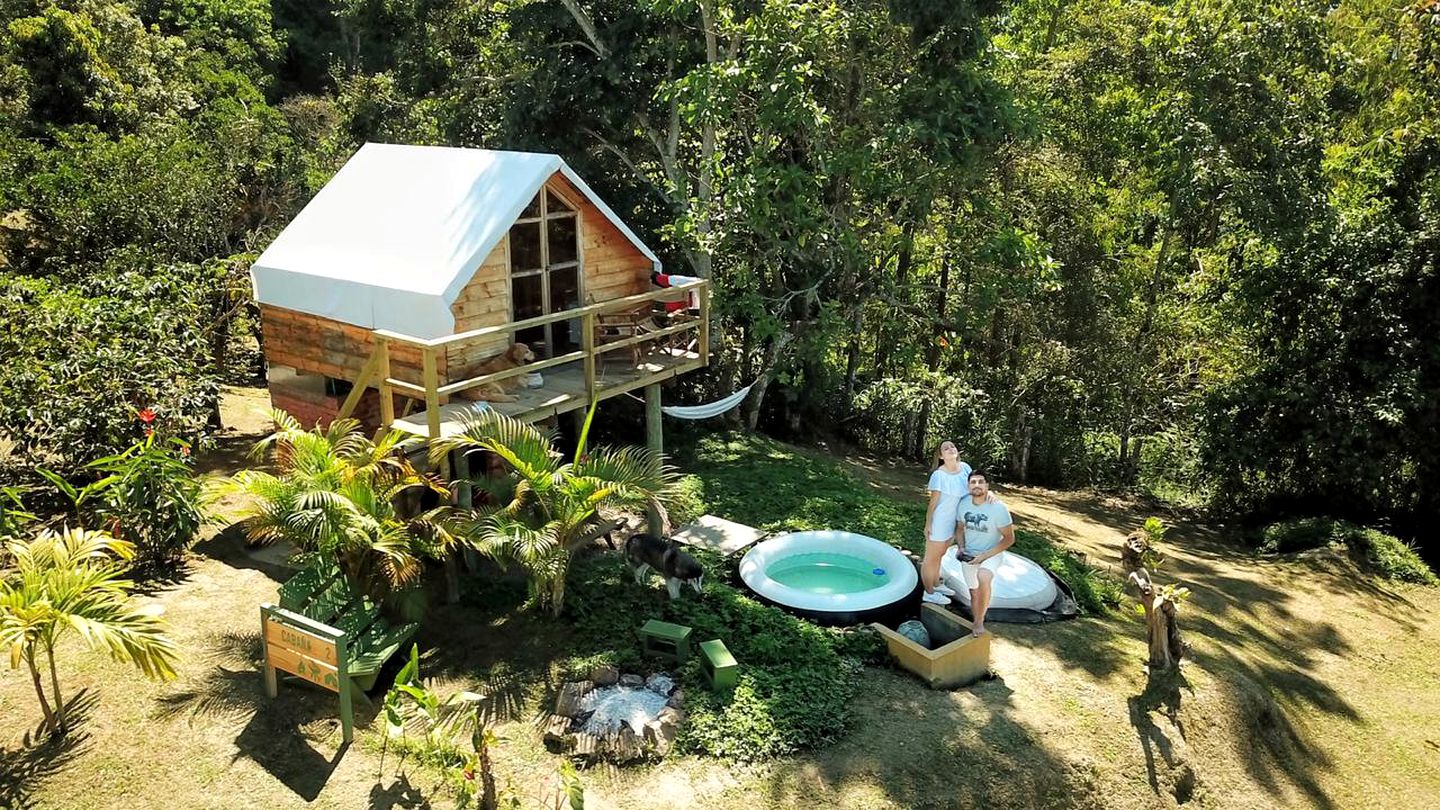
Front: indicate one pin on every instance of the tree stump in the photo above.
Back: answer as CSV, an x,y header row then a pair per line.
x,y
1161,625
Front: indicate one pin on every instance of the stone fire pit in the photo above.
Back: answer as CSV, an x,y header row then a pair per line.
x,y
616,717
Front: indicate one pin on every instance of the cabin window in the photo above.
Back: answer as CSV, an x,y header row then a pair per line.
x,y
545,272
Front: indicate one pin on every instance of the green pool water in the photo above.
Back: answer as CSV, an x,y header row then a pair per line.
x,y
826,573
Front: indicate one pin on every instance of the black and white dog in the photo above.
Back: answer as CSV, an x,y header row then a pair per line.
x,y
665,557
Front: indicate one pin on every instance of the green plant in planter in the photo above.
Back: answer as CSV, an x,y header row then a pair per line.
x,y
71,580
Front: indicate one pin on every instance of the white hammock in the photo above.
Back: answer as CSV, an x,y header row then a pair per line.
x,y
708,410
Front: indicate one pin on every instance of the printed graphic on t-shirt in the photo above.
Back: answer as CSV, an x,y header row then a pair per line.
x,y
975,521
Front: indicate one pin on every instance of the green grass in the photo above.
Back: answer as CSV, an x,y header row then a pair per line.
x,y
1390,556
796,679
761,482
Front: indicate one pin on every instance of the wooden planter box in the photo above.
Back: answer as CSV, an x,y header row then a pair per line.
x,y
962,659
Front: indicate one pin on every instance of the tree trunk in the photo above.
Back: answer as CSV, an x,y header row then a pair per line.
x,y
932,351
50,723
762,380
852,353
1161,625
55,688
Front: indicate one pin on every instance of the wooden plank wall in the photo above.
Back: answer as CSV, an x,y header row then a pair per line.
x,y
323,346
485,301
614,267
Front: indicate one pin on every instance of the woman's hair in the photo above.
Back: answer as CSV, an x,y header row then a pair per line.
x,y
938,459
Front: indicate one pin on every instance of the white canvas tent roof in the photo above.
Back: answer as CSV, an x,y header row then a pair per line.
x,y
394,237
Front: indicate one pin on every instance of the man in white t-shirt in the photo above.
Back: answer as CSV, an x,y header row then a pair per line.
x,y
988,530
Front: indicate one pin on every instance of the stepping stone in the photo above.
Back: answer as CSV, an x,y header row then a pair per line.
x,y
718,534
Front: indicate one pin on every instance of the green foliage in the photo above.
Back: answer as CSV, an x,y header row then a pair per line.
x,y
150,497
1390,556
72,581
339,494
555,506
85,364
1298,535
796,681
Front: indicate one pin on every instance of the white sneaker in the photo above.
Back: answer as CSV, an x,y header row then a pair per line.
x,y
944,589
936,598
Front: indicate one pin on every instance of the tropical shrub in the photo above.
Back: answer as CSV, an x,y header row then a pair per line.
x,y
336,494
71,580
555,505
150,497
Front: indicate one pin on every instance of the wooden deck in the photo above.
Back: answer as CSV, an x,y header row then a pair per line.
x,y
565,390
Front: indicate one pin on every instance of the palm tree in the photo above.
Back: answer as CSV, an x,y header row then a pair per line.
x,y
338,494
555,506
71,580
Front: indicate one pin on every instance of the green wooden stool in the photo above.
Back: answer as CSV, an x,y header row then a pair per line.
x,y
719,665
666,640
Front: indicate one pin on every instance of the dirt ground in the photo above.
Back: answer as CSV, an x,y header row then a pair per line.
x,y
1310,685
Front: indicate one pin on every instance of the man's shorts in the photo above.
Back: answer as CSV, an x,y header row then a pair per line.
x,y
970,572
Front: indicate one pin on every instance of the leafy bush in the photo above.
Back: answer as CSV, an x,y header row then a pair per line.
x,y
797,679
151,498
90,357
1392,557
1298,535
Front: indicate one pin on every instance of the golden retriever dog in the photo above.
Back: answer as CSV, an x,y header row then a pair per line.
x,y
517,355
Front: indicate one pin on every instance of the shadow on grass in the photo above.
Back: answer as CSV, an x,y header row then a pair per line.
x,y
399,793
42,756
278,734
1162,695
933,749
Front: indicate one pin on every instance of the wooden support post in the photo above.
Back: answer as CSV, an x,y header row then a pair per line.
x,y
654,435
387,395
587,343
272,687
464,497
705,324
431,380
347,713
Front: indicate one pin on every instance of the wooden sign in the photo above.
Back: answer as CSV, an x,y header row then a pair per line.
x,y
310,650
300,642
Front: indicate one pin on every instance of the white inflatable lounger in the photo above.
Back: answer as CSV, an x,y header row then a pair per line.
x,y
1019,582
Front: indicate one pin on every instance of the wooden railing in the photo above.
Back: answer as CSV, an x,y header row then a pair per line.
x,y
376,370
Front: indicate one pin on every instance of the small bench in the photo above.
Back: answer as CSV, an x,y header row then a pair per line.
x,y
325,595
718,664
665,640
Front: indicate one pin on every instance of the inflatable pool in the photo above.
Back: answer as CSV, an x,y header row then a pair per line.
x,y
831,577
1019,583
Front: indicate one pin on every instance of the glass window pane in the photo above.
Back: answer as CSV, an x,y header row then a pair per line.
x,y
554,203
564,289
561,233
525,292
533,209
525,247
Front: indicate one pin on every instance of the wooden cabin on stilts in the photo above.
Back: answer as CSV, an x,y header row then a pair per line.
x,y
415,265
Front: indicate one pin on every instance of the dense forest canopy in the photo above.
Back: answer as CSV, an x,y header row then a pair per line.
x,y
1187,247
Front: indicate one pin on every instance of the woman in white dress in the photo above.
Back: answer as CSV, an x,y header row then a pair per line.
x,y
948,486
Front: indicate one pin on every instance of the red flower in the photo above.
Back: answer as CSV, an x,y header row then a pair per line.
x,y
468,773
146,415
